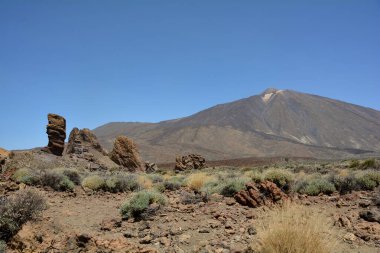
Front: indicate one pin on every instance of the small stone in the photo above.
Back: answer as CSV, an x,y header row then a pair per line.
x,y
146,240
203,231
251,230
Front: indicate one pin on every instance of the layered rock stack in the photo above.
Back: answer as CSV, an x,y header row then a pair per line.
x,y
125,154
56,131
81,142
189,162
265,193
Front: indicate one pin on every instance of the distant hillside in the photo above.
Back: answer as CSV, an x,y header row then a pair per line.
x,y
274,123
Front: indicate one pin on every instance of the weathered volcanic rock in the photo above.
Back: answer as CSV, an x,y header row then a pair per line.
x,y
150,167
124,153
189,162
82,142
264,193
56,131
4,155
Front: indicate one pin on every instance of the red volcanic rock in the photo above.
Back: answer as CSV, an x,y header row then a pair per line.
x,y
264,193
56,131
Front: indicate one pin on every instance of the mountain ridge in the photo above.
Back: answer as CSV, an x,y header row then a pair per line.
x,y
273,123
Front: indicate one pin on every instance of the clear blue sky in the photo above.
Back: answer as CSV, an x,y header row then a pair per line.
x,y
147,60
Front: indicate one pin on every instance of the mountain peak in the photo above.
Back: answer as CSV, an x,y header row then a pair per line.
x,y
269,94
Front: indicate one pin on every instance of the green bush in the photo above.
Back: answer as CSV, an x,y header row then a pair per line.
x,y
232,186
25,176
72,175
94,182
368,180
317,186
122,183
344,184
368,164
156,178
140,202
354,164
3,246
56,181
282,178
17,210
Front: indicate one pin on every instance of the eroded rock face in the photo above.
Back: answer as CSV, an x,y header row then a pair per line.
x,y
56,131
189,162
82,141
125,154
265,193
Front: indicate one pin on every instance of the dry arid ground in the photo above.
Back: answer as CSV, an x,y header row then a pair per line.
x,y
199,212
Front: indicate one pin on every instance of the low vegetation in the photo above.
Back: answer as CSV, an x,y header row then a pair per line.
x,y
141,202
296,229
17,210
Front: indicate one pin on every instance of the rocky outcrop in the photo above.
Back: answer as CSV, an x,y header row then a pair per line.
x,y
189,162
56,131
265,193
81,142
4,155
150,167
125,154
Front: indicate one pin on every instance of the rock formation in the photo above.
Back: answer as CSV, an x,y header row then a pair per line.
x,y
4,155
82,141
150,167
125,154
56,131
189,162
265,193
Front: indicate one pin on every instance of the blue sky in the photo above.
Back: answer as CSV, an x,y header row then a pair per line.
x,y
147,60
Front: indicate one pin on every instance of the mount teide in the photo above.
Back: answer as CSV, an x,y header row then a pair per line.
x,y
274,123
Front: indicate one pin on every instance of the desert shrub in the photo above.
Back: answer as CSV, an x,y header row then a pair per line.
x,y
344,183
174,183
17,210
197,180
3,246
354,164
232,186
26,176
72,175
255,176
282,178
122,183
368,164
56,181
94,182
156,178
297,229
140,202
193,198
368,180
317,186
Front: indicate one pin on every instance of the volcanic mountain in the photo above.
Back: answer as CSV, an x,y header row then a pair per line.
x,y
274,123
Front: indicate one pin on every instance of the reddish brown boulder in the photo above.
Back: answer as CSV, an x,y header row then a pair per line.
x,y
125,154
264,193
83,141
56,131
189,162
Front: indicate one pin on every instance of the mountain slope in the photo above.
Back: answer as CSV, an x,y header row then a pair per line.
x,y
274,123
